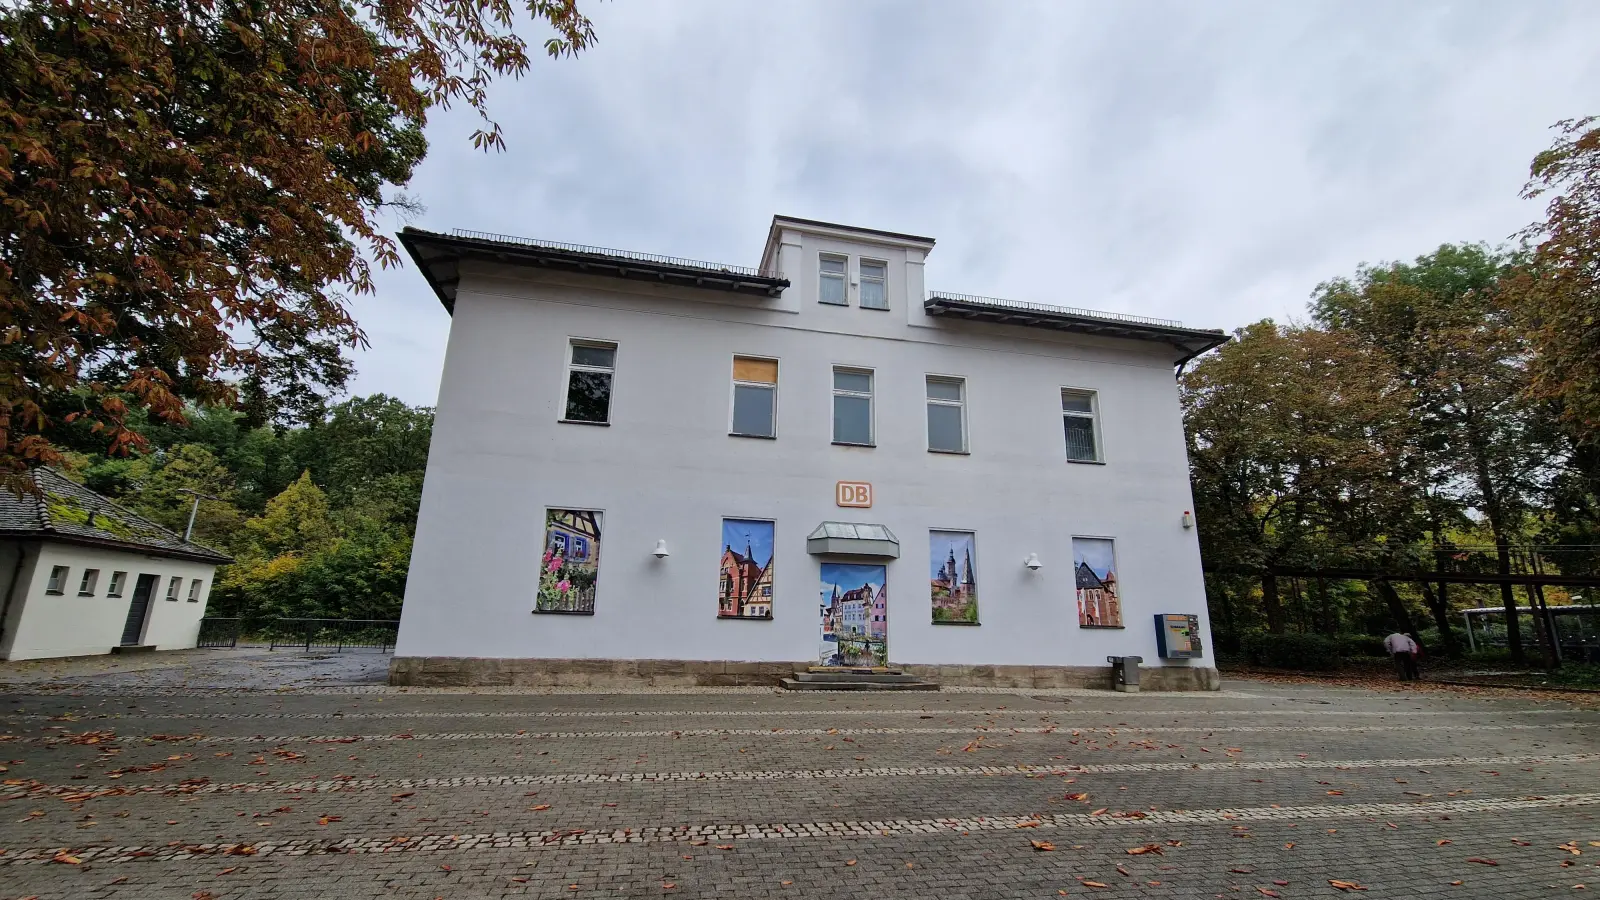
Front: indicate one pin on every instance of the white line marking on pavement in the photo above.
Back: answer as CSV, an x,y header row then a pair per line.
x,y
530,840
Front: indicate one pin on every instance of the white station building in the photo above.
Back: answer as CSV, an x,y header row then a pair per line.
x,y
83,576
655,469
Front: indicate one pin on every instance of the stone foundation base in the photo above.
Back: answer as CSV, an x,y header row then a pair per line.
x,y
456,671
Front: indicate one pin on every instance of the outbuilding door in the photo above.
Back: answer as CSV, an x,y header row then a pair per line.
x,y
855,615
133,629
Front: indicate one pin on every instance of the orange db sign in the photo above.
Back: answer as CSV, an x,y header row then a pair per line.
x,y
853,493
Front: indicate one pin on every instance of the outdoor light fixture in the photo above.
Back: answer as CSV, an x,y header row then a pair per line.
x,y
1032,562
1188,519
661,549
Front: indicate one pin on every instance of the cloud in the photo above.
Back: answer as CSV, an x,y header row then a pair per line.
x,y
1206,162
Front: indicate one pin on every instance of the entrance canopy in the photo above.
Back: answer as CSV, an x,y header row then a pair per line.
x,y
852,539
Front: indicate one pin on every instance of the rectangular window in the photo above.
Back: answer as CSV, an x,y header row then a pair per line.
x,y
947,425
118,579
755,397
874,284
589,382
86,584
1078,415
1094,568
830,280
173,585
58,580
852,406
194,590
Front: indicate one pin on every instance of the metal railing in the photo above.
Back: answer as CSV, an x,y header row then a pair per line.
x,y
636,256
337,635
1050,308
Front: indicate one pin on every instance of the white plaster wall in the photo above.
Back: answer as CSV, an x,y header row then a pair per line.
x,y
666,468
67,624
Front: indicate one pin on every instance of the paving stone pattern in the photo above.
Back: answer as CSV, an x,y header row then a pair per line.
x,y
128,787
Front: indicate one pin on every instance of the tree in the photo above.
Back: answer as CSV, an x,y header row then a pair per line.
x,y
189,192
296,522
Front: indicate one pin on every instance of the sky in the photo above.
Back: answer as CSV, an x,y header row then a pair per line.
x,y
756,535
1208,162
942,543
848,577
1099,553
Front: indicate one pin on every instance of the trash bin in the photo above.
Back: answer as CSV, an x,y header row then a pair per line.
x,y
1125,672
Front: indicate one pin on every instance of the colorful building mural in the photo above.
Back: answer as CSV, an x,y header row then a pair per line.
x,y
1095,567
571,562
953,581
745,590
855,615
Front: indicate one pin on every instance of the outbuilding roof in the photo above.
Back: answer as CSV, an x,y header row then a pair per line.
x,y
60,509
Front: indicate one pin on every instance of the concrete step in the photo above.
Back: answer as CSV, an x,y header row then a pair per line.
x,y
794,684
848,675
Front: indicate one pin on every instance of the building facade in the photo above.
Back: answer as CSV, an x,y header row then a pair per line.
x,y
85,576
733,444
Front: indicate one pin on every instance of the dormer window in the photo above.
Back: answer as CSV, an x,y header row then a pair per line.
x,y
830,280
874,284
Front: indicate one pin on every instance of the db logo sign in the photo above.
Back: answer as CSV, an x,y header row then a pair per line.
x,y
853,493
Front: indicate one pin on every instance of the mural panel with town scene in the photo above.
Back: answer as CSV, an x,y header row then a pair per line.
x,y
1094,563
570,563
745,590
855,615
953,581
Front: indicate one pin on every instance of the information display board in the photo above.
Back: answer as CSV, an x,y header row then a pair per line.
x,y
1178,635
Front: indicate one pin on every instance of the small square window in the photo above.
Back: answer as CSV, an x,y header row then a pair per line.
x,y
194,590
589,375
87,582
852,406
947,415
755,397
174,584
58,580
830,280
874,284
118,579
1079,413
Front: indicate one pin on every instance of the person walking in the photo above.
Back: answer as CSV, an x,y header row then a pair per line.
x,y
1403,650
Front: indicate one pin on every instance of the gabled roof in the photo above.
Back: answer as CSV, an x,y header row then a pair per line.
x,y
1087,580
60,509
1188,342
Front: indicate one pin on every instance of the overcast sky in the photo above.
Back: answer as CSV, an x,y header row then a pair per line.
x,y
1209,162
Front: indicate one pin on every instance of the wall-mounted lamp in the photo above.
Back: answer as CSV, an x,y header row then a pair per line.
x,y
661,550
1188,519
1032,562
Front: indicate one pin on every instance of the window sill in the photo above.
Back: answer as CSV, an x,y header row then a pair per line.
x,y
562,612
1087,462
877,308
845,303
853,444
765,618
193,601
172,599
582,422
86,593
953,622
1106,627
759,437
56,593
113,596
950,452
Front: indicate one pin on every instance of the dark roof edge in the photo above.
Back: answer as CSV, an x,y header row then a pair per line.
x,y
1192,341
817,223
204,556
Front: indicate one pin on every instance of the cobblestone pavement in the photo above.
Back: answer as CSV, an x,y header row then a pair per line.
x,y
157,783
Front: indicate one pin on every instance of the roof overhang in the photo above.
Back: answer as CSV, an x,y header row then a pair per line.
x,y
80,540
439,256
1188,342
853,539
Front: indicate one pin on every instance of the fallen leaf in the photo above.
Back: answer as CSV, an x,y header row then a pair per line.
x,y
730,847
540,808
1346,885
1268,892
65,858
1289,845
1093,884
1441,842
1147,848
1482,861
849,862
229,870
1042,845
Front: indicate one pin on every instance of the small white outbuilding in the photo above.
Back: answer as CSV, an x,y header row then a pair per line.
x,y
83,576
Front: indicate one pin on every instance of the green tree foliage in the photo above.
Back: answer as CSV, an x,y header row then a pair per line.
x,y
190,190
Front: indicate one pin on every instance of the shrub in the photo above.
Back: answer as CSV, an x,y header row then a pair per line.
x,y
1355,646
1308,652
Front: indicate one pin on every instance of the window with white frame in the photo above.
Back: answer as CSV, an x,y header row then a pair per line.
x,y
87,582
852,406
1078,415
874,284
589,372
118,579
947,414
58,580
831,279
194,590
755,397
174,584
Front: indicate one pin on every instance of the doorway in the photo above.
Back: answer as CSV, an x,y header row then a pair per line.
x,y
133,629
855,615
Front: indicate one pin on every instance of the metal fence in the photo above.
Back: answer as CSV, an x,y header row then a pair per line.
x,y
337,635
